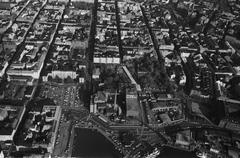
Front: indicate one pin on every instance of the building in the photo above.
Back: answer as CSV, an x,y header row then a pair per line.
x,y
100,101
230,124
164,105
20,67
48,118
86,1
5,4
59,1
10,118
60,74
55,117
183,138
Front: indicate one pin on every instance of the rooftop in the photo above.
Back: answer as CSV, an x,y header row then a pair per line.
x,y
9,118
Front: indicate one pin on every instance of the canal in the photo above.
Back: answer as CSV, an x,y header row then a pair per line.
x,y
89,143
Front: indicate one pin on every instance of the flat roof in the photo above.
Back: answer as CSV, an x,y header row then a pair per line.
x,y
9,124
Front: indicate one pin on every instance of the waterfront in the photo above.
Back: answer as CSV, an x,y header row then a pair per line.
x,y
175,153
90,143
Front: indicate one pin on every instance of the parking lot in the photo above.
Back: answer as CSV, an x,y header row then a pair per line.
x,y
64,96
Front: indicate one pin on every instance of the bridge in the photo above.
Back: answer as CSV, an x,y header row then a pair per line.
x,y
193,126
